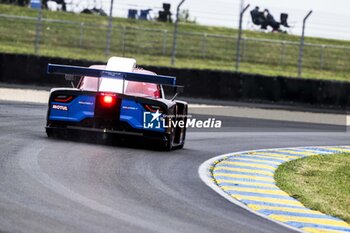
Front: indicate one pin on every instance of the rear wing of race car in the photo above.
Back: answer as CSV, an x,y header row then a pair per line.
x,y
71,71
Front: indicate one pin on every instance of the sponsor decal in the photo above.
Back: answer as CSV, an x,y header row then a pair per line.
x,y
157,120
129,108
111,74
85,103
60,107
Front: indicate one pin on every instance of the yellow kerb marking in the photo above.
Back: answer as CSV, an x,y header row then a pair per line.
x,y
244,176
267,200
255,190
330,222
278,156
246,183
289,209
260,161
244,170
250,165
270,157
318,230
337,149
298,152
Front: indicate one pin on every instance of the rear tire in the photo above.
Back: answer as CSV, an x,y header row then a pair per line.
x,y
168,145
183,130
50,133
182,139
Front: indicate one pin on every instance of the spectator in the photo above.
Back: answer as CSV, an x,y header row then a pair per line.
x,y
271,21
258,18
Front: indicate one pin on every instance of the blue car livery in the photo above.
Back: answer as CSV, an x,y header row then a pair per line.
x,y
118,99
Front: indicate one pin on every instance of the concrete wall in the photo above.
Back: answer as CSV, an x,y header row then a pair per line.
x,y
27,69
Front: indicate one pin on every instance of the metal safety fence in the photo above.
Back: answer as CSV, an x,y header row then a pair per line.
x,y
88,41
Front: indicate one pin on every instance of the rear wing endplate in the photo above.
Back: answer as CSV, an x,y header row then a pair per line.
x,y
71,71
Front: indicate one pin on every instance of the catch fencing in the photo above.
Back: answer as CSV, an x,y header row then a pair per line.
x,y
89,41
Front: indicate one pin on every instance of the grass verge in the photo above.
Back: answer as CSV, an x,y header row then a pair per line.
x,y
320,182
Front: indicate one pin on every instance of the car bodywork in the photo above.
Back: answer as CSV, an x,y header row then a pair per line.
x,y
117,99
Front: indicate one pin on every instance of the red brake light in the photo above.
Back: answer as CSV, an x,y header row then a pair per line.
x,y
108,100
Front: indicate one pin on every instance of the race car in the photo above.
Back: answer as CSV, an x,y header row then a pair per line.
x,y
117,99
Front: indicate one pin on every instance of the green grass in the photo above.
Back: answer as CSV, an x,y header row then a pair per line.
x,y
320,182
153,46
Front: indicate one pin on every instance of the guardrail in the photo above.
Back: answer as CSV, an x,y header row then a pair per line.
x,y
64,38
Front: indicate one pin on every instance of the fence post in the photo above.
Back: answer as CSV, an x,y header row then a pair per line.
x,y
38,30
109,33
81,36
173,53
239,38
165,35
301,48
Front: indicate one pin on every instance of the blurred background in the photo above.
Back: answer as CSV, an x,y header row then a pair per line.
x,y
207,35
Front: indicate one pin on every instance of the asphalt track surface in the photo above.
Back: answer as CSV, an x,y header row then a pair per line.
x,y
51,185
